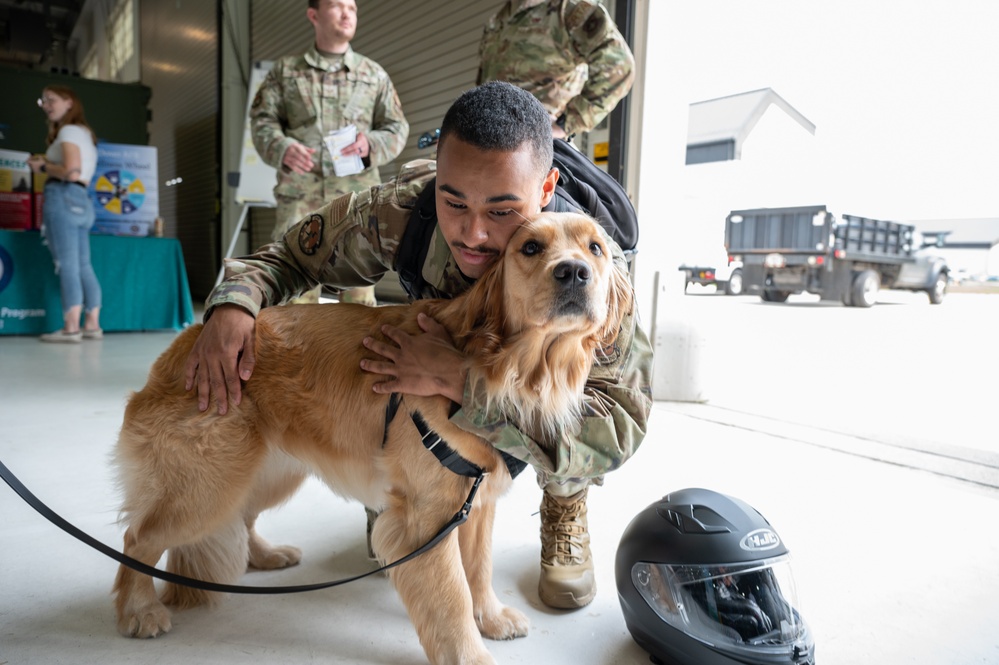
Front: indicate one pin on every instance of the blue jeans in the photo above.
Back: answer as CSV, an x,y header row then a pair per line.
x,y
68,216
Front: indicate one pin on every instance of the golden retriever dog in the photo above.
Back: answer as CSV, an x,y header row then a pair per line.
x,y
194,482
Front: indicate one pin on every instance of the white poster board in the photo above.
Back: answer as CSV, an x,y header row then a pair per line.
x,y
256,179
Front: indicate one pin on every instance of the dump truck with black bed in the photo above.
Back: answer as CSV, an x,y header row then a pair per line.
x,y
844,258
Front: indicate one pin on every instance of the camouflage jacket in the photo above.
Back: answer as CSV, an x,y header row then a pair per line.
x,y
567,53
352,241
304,97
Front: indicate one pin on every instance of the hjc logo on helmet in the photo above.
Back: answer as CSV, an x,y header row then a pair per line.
x,y
759,540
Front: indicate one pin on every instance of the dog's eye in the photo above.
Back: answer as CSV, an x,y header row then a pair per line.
x,y
596,249
530,248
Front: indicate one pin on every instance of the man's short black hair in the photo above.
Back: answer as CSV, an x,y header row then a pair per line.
x,y
500,116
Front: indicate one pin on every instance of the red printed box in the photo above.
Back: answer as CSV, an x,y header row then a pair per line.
x,y
15,190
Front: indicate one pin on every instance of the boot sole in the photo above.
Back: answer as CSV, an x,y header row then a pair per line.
x,y
566,600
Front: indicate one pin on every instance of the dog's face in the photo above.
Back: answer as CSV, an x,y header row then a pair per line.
x,y
557,273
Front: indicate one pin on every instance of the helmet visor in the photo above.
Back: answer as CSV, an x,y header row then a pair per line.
x,y
734,607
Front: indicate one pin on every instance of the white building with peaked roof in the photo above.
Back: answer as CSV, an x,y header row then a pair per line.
x,y
718,128
748,150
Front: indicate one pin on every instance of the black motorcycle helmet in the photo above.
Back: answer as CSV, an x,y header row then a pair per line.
x,y
704,580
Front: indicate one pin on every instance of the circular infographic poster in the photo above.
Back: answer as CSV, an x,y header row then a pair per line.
x,y
119,192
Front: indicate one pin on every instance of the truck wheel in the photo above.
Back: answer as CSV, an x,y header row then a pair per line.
x,y
939,289
734,285
865,288
775,296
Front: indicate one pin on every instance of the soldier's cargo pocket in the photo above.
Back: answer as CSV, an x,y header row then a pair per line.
x,y
294,187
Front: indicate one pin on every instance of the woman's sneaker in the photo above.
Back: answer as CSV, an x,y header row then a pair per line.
x,y
63,337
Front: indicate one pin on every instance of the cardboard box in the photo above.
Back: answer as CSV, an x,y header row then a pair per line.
x,y
15,190
120,227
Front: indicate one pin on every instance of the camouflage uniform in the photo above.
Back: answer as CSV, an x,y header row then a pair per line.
x,y
353,240
301,99
567,53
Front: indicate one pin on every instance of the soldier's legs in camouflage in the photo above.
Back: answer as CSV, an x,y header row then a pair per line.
x,y
290,211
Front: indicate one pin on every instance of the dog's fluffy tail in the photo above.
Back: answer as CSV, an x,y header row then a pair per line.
x,y
220,557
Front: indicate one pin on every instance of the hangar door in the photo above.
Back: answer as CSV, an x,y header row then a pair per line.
x,y
429,49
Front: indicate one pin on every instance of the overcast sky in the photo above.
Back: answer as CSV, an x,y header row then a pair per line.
x,y
904,94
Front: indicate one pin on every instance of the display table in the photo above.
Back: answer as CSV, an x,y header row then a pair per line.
x,y
143,280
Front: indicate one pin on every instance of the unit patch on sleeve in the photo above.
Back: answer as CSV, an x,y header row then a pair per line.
x,y
310,236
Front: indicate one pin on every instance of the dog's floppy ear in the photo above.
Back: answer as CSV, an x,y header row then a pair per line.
x,y
485,313
620,300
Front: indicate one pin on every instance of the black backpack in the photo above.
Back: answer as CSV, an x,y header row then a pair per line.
x,y
584,187
581,187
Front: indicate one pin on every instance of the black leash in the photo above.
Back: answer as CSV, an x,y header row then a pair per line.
x,y
459,518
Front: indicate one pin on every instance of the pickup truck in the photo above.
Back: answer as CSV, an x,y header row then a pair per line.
x,y
845,258
727,279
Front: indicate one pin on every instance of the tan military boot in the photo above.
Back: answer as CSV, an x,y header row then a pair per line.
x,y
567,580
310,297
362,295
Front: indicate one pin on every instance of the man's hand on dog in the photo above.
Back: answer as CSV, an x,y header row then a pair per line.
x,y
221,357
425,364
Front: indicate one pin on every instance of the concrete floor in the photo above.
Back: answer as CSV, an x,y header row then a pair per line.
x,y
895,562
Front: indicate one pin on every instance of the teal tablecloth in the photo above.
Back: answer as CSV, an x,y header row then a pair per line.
x,y
143,279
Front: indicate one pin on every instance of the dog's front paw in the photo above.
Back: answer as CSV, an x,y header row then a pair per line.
x,y
147,621
274,557
506,624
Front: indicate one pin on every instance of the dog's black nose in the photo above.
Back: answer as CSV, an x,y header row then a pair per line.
x,y
572,273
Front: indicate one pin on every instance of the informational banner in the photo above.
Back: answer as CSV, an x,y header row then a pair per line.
x,y
15,190
124,189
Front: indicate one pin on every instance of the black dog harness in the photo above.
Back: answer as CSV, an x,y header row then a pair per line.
x,y
447,456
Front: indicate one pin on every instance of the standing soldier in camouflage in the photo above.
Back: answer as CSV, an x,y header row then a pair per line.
x,y
567,53
494,166
305,97
571,56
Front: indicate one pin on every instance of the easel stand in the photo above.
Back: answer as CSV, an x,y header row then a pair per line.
x,y
254,181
